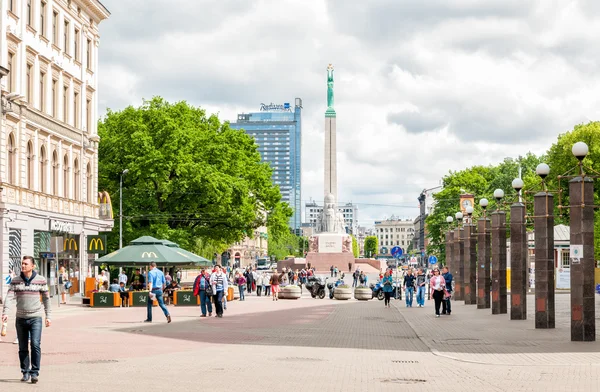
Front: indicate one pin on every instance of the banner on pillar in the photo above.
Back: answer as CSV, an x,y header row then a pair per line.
x,y
563,278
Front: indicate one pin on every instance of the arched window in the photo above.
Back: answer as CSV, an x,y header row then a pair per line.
x,y
88,185
66,177
12,160
30,165
55,173
42,169
76,179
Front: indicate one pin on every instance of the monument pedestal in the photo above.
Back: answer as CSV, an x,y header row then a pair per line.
x,y
327,249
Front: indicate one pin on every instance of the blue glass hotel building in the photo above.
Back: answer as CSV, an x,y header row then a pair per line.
x,y
277,130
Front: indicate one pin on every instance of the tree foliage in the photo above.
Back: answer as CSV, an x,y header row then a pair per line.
x,y
355,247
480,181
287,244
191,179
371,246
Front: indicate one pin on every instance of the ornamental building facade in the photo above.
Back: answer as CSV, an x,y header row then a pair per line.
x,y
49,202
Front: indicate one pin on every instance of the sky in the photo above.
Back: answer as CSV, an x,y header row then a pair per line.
x,y
421,87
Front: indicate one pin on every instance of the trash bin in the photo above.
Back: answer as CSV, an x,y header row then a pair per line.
x,y
230,294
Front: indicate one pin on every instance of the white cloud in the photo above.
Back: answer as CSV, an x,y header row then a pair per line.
x,y
421,87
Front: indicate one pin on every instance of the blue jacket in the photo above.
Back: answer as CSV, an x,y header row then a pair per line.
x,y
448,278
389,287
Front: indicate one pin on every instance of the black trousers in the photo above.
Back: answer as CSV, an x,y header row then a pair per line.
x,y
267,290
218,301
387,295
438,297
258,290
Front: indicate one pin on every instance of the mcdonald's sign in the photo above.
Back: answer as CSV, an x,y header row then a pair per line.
x,y
106,211
70,245
96,244
151,255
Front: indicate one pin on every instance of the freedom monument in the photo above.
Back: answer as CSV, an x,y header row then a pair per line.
x,y
331,245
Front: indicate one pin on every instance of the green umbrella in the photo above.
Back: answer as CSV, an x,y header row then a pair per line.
x,y
146,249
203,261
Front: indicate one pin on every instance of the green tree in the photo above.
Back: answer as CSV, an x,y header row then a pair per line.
x,y
190,176
371,246
562,161
286,244
355,247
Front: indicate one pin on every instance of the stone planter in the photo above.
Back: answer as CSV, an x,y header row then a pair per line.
x,y
363,293
290,292
342,293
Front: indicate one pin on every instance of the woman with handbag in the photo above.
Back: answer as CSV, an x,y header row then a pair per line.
x,y
63,282
438,287
388,287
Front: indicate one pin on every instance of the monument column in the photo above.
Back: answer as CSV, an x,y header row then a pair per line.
x,y
583,297
470,264
330,155
519,276
499,305
544,259
483,263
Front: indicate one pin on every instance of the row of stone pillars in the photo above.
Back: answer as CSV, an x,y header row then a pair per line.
x,y
476,257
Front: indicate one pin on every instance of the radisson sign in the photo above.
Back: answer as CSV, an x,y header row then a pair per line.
x,y
270,107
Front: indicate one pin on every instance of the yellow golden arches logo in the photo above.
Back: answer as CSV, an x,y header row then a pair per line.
x,y
70,244
149,255
96,243
106,210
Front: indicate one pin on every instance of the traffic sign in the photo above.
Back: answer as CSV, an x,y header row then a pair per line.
x,y
396,252
432,259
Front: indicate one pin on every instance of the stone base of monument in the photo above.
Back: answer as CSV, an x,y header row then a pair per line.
x,y
290,292
342,293
363,293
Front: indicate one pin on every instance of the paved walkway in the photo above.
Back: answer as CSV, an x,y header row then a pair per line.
x,y
308,344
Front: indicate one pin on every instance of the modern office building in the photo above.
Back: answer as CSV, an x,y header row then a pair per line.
x,y
349,211
277,130
49,203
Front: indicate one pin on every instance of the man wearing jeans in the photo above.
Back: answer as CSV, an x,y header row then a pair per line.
x,y
27,288
156,283
420,288
200,284
409,287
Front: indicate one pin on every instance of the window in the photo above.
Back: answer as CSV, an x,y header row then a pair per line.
x,y
77,120
29,11
12,161
77,43
89,54
66,177
55,98
43,18
76,180
9,79
88,109
66,104
29,86
30,163
55,28
54,173
42,92
66,38
565,259
88,187
42,169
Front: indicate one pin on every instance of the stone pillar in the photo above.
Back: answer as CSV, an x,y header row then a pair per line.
x,y
583,297
519,272
459,260
544,259
449,250
499,305
483,263
470,264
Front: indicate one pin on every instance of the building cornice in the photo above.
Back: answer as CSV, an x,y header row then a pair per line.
x,y
99,11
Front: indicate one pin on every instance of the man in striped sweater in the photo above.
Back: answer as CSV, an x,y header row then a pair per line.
x,y
28,288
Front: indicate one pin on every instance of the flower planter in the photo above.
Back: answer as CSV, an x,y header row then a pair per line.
x,y
342,293
290,292
363,293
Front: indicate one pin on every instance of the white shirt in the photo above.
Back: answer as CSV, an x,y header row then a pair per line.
x,y
123,278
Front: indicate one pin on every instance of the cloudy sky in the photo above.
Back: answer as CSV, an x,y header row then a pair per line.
x,y
422,87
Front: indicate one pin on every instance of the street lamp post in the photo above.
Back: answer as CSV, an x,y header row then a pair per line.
x,y
121,207
459,258
483,258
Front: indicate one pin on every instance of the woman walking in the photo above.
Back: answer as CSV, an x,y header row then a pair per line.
x,y
241,283
275,286
388,287
437,284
